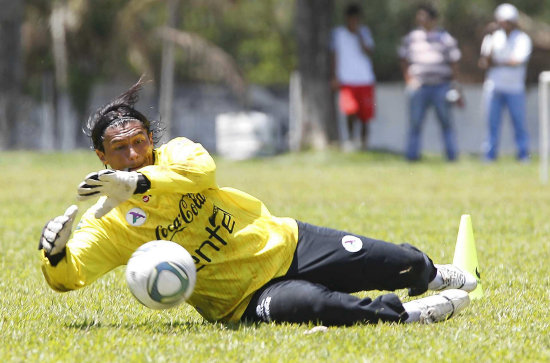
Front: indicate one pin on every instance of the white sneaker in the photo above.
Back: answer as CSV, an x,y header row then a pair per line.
x,y
453,278
438,307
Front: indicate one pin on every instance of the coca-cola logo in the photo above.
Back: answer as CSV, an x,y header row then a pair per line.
x,y
189,207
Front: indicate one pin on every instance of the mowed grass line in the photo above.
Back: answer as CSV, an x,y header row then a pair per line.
x,y
375,194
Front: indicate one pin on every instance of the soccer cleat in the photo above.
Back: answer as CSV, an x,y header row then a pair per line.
x,y
453,278
438,307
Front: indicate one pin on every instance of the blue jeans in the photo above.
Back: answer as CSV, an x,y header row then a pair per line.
x,y
419,101
496,101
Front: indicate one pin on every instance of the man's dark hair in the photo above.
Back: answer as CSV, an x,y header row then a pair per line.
x,y
119,112
429,9
353,10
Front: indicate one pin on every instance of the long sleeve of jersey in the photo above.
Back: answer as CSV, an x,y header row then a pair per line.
x,y
89,254
182,165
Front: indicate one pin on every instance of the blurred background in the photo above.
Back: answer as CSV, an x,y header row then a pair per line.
x,y
243,77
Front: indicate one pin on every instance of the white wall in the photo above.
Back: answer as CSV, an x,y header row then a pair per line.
x,y
388,131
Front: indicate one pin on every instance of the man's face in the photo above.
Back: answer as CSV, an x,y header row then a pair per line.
x,y
127,146
424,20
352,22
508,26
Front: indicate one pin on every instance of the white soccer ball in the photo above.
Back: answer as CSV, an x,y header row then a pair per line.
x,y
161,274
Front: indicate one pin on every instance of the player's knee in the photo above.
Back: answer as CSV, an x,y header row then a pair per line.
x,y
421,269
418,265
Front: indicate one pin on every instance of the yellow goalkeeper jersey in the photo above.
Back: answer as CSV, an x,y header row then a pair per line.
x,y
237,245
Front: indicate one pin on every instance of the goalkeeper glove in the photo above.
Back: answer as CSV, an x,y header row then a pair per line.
x,y
118,186
55,235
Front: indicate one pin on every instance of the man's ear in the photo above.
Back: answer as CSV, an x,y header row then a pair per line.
x,y
101,155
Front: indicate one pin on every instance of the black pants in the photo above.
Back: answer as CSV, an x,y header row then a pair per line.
x,y
327,266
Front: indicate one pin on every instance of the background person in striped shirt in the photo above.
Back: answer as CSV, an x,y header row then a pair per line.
x,y
429,62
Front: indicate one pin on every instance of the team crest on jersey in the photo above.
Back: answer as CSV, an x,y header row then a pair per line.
x,y
136,217
352,243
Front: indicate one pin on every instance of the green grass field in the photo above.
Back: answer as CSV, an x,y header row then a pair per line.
x,y
374,194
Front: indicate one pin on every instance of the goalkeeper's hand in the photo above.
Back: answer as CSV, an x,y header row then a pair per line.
x,y
55,235
118,186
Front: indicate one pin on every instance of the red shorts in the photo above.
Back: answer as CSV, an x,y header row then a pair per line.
x,y
358,100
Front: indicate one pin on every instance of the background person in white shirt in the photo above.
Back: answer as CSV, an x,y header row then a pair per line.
x,y
505,54
352,72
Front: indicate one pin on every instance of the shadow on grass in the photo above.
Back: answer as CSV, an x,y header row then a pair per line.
x,y
156,327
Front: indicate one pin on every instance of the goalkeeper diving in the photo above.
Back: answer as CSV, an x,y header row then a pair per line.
x,y
251,265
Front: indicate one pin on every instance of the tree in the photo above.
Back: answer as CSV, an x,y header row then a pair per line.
x,y
11,18
167,70
313,25
64,114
